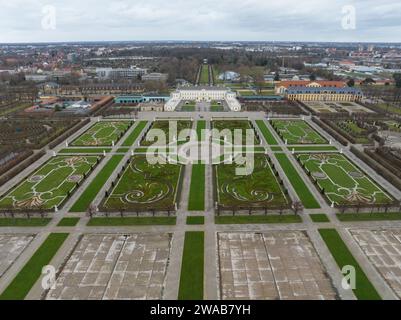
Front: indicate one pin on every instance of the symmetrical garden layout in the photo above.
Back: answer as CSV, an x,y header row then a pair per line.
x,y
297,132
51,184
341,181
224,255
103,133
260,189
145,186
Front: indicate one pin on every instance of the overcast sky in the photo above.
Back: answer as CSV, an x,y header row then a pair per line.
x,y
260,20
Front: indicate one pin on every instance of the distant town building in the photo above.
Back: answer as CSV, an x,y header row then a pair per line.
x,y
120,73
283,86
324,94
135,99
229,76
318,91
155,76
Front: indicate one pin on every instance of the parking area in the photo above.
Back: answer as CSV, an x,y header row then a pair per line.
x,y
11,247
272,265
383,249
115,266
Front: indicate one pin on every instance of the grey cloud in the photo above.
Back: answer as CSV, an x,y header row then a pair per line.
x,y
20,20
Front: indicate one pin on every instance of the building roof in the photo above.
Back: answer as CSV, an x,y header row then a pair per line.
x,y
300,83
209,88
307,90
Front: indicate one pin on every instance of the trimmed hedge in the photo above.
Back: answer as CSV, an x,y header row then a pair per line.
x,y
331,131
381,170
21,167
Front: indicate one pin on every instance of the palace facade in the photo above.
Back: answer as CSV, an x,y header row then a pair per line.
x,y
203,93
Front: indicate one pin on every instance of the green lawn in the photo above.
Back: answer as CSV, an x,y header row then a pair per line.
x,y
364,288
85,150
204,77
103,133
318,218
246,92
369,217
188,107
191,280
22,222
196,220
164,126
145,186
260,189
196,201
266,132
223,126
68,222
215,107
389,108
97,183
312,148
30,273
135,134
308,200
132,221
270,219
342,181
297,132
51,184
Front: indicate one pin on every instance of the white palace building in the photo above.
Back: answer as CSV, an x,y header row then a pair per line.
x,y
203,93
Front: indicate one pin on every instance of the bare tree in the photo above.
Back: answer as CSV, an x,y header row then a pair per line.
x,y
297,207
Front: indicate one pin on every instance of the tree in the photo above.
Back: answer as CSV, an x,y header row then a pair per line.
x,y
351,83
397,79
368,81
312,77
297,206
276,76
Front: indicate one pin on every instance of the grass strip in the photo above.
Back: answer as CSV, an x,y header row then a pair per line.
x,y
68,222
319,218
369,217
30,273
85,150
307,198
132,221
266,132
196,201
22,222
257,219
364,289
196,220
191,280
313,148
97,183
135,134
